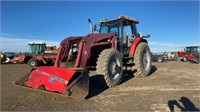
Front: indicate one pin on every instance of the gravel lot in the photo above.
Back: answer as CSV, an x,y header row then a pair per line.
x,y
171,86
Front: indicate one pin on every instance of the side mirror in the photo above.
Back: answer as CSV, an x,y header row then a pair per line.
x,y
148,36
141,36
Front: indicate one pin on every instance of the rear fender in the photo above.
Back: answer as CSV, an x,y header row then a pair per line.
x,y
134,45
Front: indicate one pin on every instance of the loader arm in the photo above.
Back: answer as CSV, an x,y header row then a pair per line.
x,y
94,40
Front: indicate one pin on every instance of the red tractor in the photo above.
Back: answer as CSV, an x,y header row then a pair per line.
x,y
107,52
191,54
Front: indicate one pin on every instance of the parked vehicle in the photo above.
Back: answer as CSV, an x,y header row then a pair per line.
x,y
190,53
158,57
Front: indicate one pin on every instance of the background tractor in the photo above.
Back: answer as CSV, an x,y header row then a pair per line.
x,y
190,53
40,54
118,45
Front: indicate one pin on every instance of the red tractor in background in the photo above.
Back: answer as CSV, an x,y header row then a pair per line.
x,y
190,53
107,52
40,54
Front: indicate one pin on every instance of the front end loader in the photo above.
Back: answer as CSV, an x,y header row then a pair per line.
x,y
107,52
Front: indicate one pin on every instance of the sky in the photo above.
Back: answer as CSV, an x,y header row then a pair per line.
x,y
172,24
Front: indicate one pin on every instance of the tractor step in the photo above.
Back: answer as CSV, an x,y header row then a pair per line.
x,y
128,61
127,58
129,64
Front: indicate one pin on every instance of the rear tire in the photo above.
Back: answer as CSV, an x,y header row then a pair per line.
x,y
109,65
33,63
142,60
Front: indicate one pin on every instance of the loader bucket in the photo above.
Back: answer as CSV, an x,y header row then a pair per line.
x,y
195,60
71,82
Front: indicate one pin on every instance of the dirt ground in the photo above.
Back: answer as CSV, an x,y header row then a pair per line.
x,y
171,86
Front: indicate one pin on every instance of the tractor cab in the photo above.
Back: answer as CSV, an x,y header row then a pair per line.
x,y
125,29
37,48
192,49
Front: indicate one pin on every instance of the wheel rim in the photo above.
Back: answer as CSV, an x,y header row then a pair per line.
x,y
32,63
145,59
7,60
114,68
159,60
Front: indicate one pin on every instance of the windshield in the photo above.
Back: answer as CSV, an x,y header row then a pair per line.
x,y
191,49
104,29
37,48
110,28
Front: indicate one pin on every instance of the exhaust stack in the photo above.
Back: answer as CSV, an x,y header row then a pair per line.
x,y
91,25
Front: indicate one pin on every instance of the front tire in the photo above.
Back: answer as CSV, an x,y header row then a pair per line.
x,y
33,63
142,60
109,65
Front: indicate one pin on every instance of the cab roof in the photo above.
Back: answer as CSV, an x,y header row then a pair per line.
x,y
125,19
30,43
193,46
